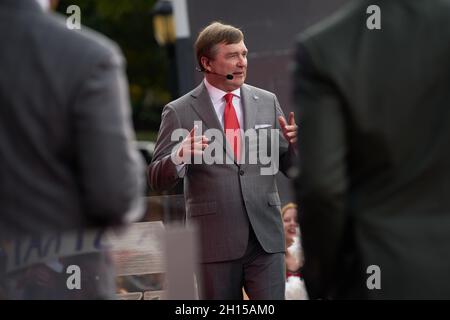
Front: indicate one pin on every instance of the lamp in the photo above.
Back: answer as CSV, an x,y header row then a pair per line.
x,y
163,23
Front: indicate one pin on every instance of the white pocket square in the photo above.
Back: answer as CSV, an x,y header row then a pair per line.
x,y
262,126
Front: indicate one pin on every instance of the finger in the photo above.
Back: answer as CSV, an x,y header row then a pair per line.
x,y
198,146
196,152
200,140
189,138
291,119
201,146
291,128
294,140
197,139
193,131
291,134
282,122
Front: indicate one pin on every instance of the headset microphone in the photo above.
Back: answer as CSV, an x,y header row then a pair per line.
x,y
228,76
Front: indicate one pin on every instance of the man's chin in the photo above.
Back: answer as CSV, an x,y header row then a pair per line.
x,y
239,81
235,84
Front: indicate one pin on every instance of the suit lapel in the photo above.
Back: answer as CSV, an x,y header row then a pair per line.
x,y
250,108
204,108
249,104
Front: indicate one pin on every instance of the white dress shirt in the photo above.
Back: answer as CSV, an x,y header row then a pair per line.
x,y
218,101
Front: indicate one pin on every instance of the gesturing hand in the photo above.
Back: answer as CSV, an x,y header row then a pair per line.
x,y
289,129
192,145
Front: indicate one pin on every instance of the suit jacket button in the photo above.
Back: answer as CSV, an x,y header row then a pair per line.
x,y
241,172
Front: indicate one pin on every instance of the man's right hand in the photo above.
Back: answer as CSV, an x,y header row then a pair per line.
x,y
191,146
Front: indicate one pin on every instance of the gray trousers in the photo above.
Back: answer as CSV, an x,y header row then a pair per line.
x,y
262,275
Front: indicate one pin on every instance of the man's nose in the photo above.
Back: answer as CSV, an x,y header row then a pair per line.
x,y
242,61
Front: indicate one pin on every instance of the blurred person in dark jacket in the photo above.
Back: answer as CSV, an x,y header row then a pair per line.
x,y
374,111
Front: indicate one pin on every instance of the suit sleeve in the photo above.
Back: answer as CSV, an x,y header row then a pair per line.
x,y
322,184
111,171
162,173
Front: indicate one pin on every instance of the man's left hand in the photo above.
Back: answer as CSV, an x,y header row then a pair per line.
x,y
289,128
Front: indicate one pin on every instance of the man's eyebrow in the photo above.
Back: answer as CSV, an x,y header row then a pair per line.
x,y
237,52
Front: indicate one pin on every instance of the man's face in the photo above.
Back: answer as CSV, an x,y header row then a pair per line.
x,y
229,59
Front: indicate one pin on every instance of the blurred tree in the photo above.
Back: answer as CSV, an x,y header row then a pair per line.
x,y
129,23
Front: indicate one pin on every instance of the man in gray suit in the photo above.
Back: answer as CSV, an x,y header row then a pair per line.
x,y
66,153
375,180
235,205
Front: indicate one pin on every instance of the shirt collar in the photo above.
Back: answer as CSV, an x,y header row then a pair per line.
x,y
217,94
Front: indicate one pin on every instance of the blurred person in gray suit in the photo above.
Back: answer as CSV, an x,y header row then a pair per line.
x,y
66,143
374,110
235,206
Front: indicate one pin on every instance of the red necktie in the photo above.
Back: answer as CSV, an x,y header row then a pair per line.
x,y
231,126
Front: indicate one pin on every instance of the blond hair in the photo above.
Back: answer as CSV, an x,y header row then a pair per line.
x,y
290,205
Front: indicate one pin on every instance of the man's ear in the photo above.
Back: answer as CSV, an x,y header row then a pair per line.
x,y
205,63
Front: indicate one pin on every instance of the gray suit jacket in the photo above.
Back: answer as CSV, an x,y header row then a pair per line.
x,y
66,155
224,199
